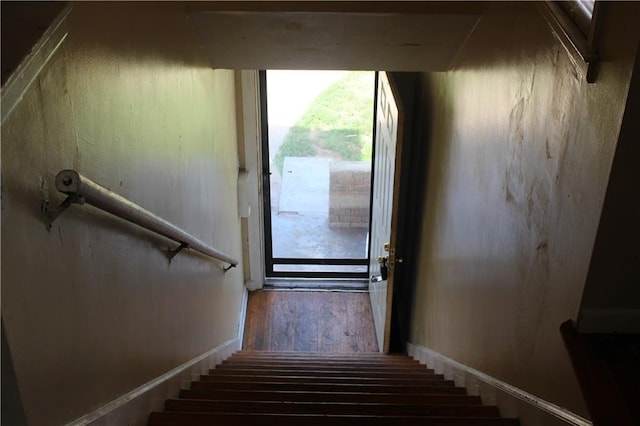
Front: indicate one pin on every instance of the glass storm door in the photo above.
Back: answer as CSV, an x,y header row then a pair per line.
x,y
317,149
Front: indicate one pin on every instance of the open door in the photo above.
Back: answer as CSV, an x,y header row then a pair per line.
x,y
384,206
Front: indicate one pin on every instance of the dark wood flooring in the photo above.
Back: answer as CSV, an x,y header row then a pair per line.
x,y
309,321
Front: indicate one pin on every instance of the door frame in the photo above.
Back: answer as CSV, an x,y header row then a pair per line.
x,y
411,200
249,177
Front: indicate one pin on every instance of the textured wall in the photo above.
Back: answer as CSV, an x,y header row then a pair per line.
x,y
92,309
520,151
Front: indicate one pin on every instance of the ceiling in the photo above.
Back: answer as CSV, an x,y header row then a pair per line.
x,y
408,36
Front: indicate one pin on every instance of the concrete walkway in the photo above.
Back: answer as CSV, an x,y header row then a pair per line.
x,y
301,226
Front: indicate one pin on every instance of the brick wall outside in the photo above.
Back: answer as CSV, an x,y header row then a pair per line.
x,y
349,188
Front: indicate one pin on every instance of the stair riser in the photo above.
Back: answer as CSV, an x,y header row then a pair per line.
x,y
328,387
326,373
202,419
329,409
373,363
296,354
398,398
323,365
321,379
338,368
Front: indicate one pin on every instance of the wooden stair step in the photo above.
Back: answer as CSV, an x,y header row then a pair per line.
x,y
296,354
330,408
376,360
322,379
301,396
342,361
285,354
325,372
231,419
313,389
319,366
328,387
323,356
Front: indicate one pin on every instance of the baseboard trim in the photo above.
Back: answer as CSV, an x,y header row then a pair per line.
x,y
512,401
133,408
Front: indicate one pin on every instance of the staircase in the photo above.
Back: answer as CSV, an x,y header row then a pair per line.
x,y
297,388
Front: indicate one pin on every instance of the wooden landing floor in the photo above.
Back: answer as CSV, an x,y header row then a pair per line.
x,y
309,321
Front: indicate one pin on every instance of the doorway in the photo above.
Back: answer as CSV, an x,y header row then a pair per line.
x,y
378,256
317,150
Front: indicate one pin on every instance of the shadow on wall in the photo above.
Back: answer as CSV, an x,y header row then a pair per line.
x,y
12,410
23,23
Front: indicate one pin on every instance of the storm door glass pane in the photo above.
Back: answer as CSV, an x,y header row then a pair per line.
x,y
320,147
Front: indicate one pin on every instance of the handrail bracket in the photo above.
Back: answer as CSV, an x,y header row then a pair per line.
x,y
52,213
171,253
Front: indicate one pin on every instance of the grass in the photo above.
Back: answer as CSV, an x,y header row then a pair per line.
x,y
340,120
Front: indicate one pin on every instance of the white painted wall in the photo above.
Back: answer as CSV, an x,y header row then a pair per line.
x,y
92,308
521,148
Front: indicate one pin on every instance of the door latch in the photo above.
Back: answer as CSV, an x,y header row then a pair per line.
x,y
384,270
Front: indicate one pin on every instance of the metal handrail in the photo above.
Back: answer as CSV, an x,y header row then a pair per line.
x,y
81,189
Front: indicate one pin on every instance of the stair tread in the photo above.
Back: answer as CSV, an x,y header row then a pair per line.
x,y
316,353
329,364
222,419
268,358
317,366
325,372
281,395
338,387
322,355
324,379
289,407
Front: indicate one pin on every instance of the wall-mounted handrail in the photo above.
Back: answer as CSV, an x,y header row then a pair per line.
x,y
81,189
